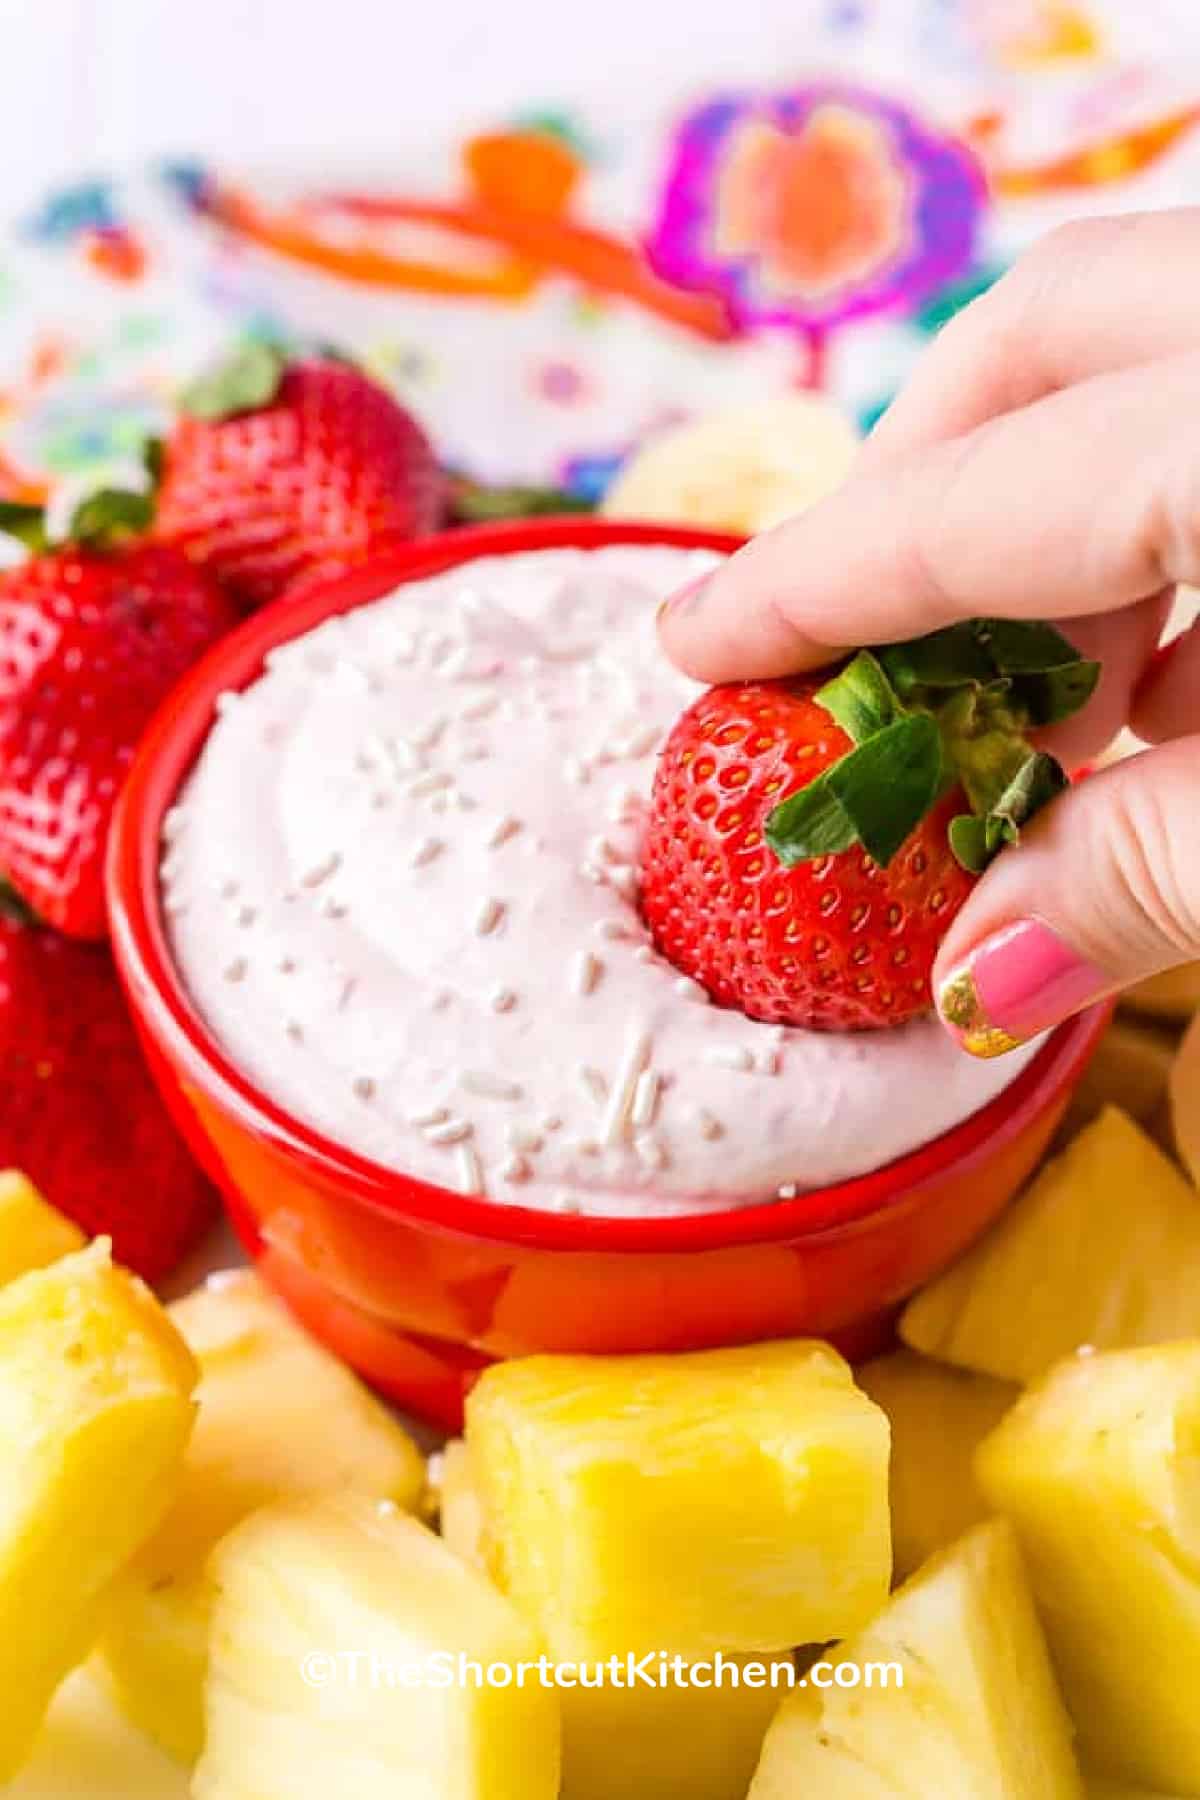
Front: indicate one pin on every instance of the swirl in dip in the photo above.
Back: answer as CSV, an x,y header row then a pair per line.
x,y
401,889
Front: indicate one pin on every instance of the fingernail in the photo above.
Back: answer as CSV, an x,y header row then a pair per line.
x,y
684,598
1015,984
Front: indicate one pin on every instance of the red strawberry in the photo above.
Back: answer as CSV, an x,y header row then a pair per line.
x,y
277,472
810,841
78,1111
90,643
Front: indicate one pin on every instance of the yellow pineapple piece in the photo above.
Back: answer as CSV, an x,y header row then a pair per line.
x,y
1174,995
373,1591
1184,1101
1103,1249
278,1416
95,1412
1130,1069
32,1232
723,1500
461,1508
1100,1787
938,1415
86,1747
978,1716
668,1742
1098,1467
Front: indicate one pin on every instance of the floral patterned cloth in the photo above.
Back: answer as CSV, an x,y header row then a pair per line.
x,y
548,288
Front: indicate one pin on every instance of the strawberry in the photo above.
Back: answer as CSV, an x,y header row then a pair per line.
x,y
278,471
78,1111
811,840
91,640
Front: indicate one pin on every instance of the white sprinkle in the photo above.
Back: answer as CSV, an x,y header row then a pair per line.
x,y
404,758
614,929
452,1132
429,1115
429,733
294,1030
488,917
687,989
434,781
551,1122
174,823
363,1087
246,915
646,1093
425,852
470,1169
364,763
586,970
502,999
333,908
349,983
440,999
474,753
523,1137
226,701
599,850
463,802
591,1083
645,953
489,1086
640,742
729,1056
175,906
634,1059
380,798
479,709
708,1124
624,878
287,965
329,865
787,1190
585,1146
651,1153
236,970
768,1062
577,771
516,1168
229,888
625,805
405,648
565,1202
504,828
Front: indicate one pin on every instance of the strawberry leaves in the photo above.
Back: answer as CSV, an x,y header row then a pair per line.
x,y
951,707
249,379
876,796
24,521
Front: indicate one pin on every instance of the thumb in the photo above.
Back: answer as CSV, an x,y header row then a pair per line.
x,y
1103,891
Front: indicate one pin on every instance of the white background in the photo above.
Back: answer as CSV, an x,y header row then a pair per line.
x,y
96,84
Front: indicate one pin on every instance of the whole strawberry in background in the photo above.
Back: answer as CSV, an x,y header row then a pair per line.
x,y
79,1113
280,470
810,841
93,635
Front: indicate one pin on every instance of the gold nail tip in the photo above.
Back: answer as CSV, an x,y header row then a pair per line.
x,y
962,1009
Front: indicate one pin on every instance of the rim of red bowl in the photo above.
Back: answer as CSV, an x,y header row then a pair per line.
x,y
157,991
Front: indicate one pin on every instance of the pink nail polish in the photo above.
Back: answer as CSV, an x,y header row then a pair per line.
x,y
1015,984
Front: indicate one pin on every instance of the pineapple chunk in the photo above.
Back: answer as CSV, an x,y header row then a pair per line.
x,y
1099,1787
86,1748
938,1415
1103,1249
1174,995
729,1500
278,1416
461,1509
1098,1468
346,1577
32,1232
673,1742
978,1716
1131,1069
1184,1101
95,1411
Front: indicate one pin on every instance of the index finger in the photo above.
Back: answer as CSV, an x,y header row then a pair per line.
x,y
1086,501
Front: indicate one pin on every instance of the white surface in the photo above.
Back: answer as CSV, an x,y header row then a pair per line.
x,y
346,913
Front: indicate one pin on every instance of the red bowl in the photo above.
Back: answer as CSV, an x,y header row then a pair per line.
x,y
418,1286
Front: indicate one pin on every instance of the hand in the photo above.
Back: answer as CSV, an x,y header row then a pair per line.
x,y
1044,462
